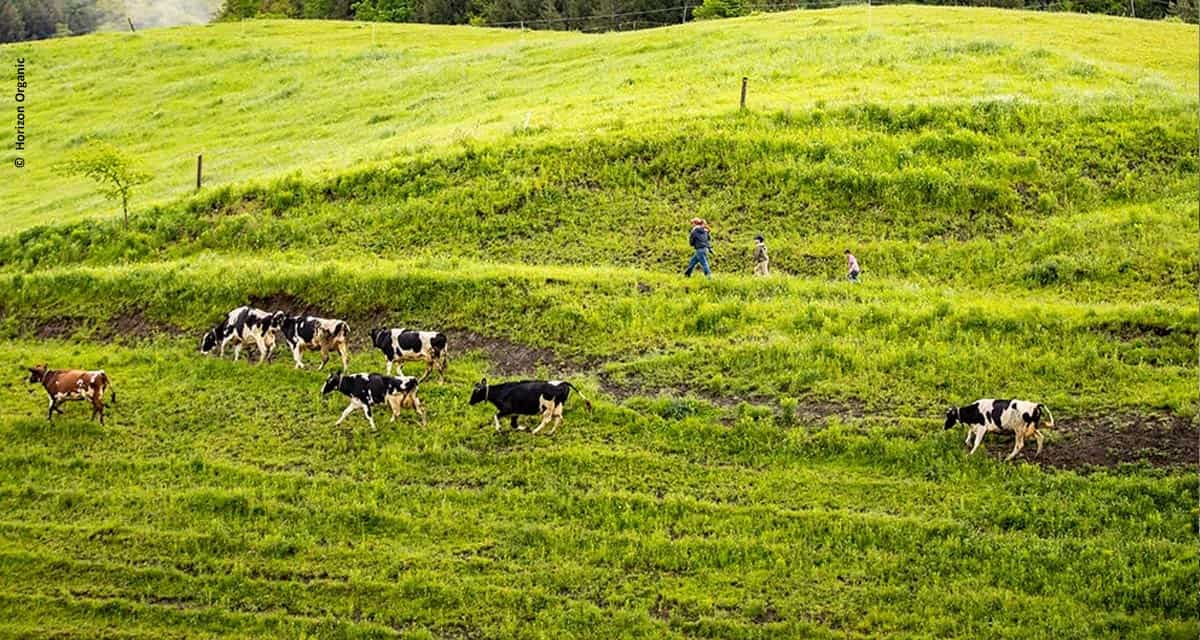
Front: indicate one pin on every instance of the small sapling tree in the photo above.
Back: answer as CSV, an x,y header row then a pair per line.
x,y
113,169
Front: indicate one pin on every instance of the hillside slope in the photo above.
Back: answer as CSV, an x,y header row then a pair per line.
x,y
766,457
264,98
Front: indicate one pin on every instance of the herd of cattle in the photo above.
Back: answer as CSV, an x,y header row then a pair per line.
x,y
246,325
249,326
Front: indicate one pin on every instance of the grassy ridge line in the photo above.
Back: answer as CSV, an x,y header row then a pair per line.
x,y
420,87
1091,202
783,338
823,527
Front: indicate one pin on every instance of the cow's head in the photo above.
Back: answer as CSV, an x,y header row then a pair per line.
x,y
290,327
1049,420
208,342
37,373
405,384
275,321
331,383
479,394
951,417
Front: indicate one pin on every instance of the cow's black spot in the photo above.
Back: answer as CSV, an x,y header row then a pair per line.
x,y
970,414
409,341
997,411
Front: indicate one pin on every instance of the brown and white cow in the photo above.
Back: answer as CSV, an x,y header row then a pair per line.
x,y
63,385
311,332
1024,419
244,325
406,345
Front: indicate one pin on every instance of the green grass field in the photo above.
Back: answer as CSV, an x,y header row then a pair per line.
x,y
766,457
262,99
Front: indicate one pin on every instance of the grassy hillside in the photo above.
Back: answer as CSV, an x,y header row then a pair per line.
x,y
766,458
261,99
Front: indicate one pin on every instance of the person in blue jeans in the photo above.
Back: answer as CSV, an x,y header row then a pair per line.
x,y
701,242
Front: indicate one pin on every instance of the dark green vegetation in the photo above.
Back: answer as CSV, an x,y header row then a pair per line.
x,y
601,15
766,457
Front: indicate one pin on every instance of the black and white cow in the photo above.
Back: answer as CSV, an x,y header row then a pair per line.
x,y
527,398
366,390
311,332
1018,416
242,326
405,345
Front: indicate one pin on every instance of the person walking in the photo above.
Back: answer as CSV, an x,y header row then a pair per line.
x,y
701,243
760,256
852,263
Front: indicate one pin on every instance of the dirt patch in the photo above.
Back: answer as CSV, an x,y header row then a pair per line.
x,y
1161,440
58,328
125,326
768,615
137,325
816,410
284,302
509,358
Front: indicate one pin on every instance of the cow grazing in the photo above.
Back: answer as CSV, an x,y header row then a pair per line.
x,y
527,398
366,390
310,332
241,326
1018,416
404,345
63,385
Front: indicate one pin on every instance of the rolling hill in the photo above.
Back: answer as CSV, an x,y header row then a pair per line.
x,y
766,457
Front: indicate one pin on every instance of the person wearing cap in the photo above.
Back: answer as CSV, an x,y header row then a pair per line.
x,y
760,256
852,262
701,242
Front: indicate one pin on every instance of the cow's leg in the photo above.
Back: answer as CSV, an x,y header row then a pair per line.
x,y
353,405
394,404
52,409
367,412
496,419
979,431
515,424
1037,435
298,356
558,411
344,350
1018,444
98,405
420,409
325,357
389,366
547,416
262,349
224,342
237,351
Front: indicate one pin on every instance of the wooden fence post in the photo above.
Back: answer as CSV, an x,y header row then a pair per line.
x,y
130,21
199,169
744,81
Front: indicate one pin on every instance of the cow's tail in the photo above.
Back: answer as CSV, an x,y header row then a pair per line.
x,y
587,403
112,392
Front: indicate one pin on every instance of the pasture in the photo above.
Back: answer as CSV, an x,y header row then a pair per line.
x,y
766,457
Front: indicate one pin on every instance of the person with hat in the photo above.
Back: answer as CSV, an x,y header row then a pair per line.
x,y
701,242
760,256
